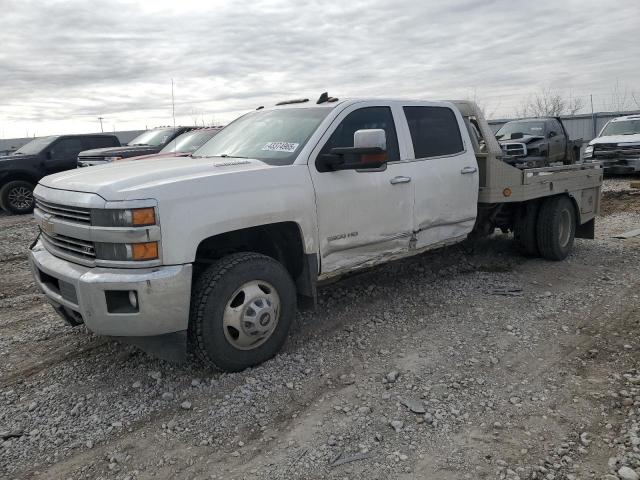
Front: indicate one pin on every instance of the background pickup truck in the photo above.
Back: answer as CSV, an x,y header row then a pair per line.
x,y
20,171
618,146
147,143
537,142
221,247
183,145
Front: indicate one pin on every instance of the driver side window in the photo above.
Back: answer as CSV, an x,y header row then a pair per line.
x,y
365,118
66,149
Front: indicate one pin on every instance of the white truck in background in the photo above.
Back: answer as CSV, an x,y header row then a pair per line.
x,y
215,252
617,147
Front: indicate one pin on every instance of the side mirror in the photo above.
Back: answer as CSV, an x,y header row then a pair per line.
x,y
48,155
369,151
552,134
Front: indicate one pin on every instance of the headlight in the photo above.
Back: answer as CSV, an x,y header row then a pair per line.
x,y
135,217
127,251
588,152
112,159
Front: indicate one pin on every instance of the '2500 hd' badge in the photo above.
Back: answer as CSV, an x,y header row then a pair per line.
x,y
47,227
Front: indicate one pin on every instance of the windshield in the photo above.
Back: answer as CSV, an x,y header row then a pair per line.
x,y
273,136
35,146
153,138
508,130
626,127
189,142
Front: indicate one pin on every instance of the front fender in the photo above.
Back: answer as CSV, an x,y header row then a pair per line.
x,y
235,202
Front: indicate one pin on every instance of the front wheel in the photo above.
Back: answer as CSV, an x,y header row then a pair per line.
x,y
17,197
241,310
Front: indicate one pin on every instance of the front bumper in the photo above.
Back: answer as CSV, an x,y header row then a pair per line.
x,y
619,165
79,294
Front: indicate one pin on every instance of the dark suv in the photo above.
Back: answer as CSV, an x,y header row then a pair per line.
x,y
21,171
147,143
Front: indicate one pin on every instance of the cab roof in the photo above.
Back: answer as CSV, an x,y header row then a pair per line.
x,y
627,117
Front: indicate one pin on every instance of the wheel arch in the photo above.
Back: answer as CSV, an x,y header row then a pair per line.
x,y
23,176
282,241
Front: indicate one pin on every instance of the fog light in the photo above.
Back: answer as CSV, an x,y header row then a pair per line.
x,y
133,299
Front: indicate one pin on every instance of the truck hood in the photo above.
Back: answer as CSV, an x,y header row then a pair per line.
x,y
140,180
635,138
526,139
4,159
157,155
124,151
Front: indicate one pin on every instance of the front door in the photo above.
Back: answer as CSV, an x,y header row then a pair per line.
x,y
444,172
364,216
557,141
63,155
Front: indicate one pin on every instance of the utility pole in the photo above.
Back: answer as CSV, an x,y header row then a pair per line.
x,y
593,118
101,129
173,106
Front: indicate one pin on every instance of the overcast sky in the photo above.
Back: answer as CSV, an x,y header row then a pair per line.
x,y
65,63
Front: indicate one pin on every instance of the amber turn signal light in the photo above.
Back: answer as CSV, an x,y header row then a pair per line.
x,y
143,216
144,251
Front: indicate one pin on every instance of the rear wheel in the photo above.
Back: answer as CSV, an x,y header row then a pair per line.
x,y
241,311
556,228
17,197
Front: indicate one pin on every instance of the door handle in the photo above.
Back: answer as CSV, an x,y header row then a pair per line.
x,y
396,180
466,170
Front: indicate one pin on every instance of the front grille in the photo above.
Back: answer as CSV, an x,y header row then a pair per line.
x,y
71,246
64,212
514,149
612,150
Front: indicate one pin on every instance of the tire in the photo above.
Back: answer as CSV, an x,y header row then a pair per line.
x,y
230,304
17,197
524,230
556,228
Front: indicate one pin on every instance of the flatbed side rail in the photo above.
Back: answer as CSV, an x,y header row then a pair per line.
x,y
563,172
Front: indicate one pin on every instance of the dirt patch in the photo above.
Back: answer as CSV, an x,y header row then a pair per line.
x,y
522,386
620,202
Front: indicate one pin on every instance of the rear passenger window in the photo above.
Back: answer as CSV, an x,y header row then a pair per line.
x,y
89,143
434,131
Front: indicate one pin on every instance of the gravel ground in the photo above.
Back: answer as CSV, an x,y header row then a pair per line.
x,y
470,362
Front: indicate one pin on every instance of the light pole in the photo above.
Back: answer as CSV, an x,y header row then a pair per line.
x,y
101,129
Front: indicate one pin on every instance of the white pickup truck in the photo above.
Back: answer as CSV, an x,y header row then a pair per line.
x,y
215,252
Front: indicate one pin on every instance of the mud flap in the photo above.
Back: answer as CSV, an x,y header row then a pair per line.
x,y
306,283
171,347
587,230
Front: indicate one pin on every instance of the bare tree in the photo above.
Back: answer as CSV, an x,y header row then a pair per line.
x,y
548,102
620,98
197,118
488,110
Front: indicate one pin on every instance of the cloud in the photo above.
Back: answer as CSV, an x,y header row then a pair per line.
x,y
64,63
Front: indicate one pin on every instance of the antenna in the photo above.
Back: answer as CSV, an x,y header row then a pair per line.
x,y
173,106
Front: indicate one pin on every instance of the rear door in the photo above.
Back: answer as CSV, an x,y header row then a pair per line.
x,y
90,143
444,173
364,216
